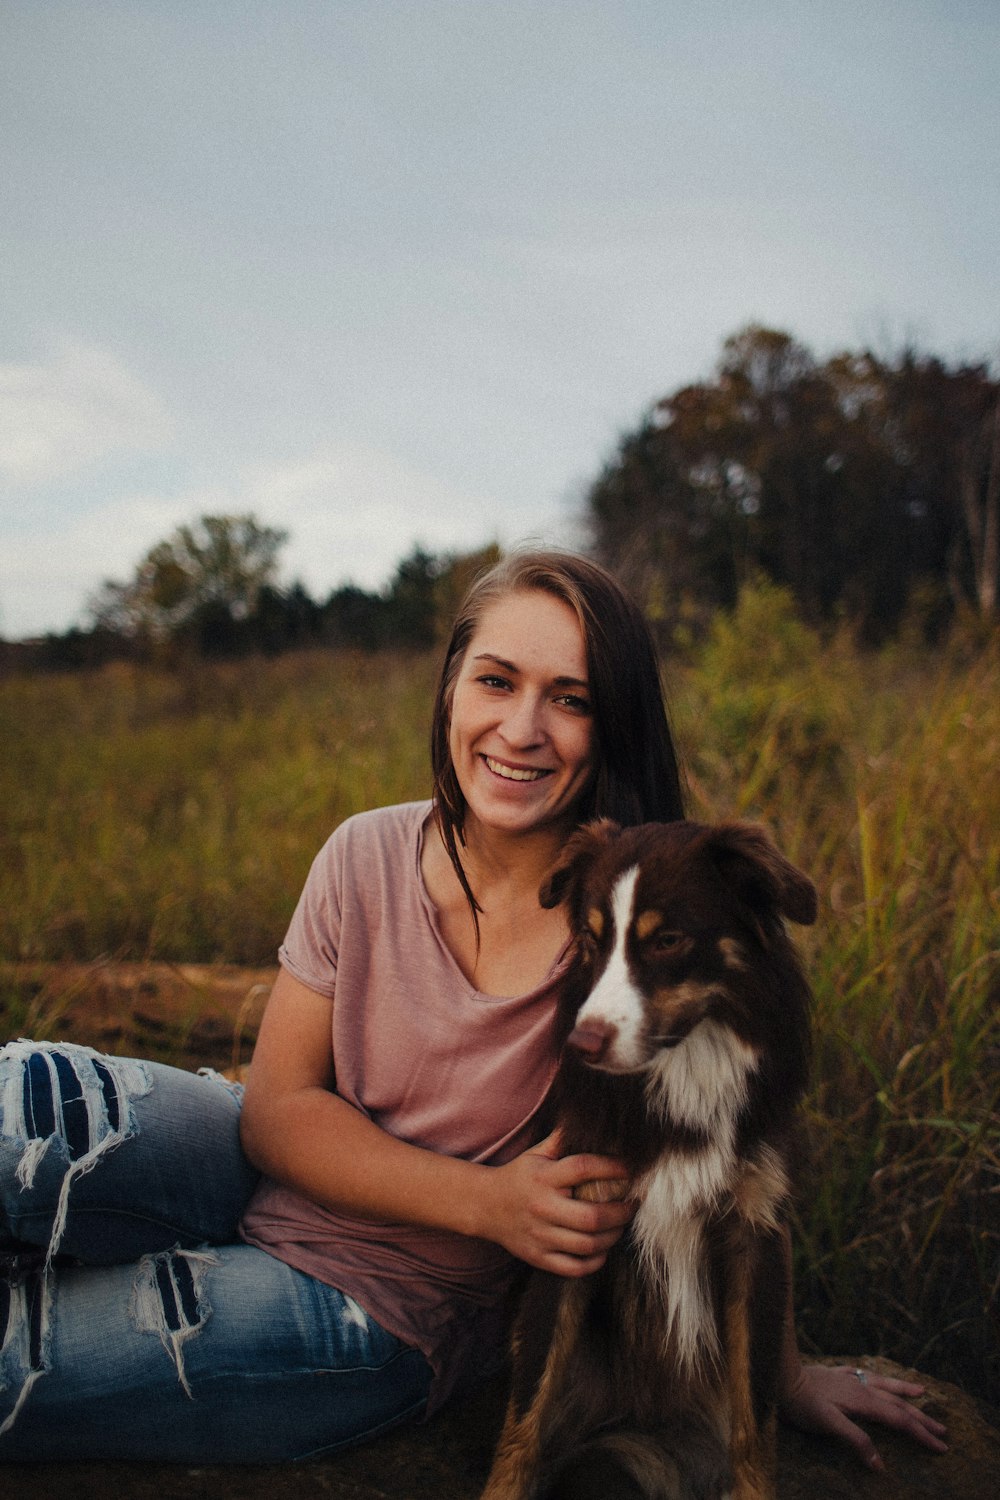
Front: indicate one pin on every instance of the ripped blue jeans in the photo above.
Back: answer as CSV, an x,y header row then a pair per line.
x,y
133,1323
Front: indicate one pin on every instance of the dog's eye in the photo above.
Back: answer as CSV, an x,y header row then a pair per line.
x,y
667,941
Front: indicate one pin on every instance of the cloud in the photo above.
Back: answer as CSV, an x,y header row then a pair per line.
x,y
79,407
353,512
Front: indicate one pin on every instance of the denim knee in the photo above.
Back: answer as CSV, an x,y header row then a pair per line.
x,y
62,1107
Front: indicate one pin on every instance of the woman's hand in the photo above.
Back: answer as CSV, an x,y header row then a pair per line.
x,y
824,1399
536,1217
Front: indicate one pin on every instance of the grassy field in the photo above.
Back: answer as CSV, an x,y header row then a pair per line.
x,y
151,817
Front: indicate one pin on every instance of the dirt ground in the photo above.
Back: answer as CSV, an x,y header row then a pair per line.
x,y
196,1015
448,1459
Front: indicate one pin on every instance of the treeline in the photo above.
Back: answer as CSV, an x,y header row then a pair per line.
x,y
868,487
210,591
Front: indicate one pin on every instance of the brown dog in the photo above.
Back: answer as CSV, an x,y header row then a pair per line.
x,y
687,1041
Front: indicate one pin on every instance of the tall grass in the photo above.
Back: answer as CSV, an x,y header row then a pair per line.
x,y
164,816
174,816
879,776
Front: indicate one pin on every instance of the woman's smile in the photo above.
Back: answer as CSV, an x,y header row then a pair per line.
x,y
514,773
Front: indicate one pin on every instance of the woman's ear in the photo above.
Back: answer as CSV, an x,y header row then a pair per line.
x,y
580,850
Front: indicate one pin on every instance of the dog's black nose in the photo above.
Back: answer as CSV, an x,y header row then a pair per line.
x,y
592,1039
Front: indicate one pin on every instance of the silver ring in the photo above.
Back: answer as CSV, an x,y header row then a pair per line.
x,y
861,1377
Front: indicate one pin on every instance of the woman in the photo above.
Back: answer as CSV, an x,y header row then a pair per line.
x,y
368,1273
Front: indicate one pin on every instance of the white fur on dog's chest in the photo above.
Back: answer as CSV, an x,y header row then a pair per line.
x,y
700,1085
668,1231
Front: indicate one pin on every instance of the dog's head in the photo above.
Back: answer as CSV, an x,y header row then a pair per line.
x,y
677,924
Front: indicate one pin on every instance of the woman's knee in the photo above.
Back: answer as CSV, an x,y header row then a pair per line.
x,y
62,1107
166,1142
59,1092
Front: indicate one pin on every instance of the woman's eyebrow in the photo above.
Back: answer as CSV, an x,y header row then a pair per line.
x,y
498,661
509,666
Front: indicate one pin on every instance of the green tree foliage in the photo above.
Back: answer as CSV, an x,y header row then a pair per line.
x,y
199,582
851,483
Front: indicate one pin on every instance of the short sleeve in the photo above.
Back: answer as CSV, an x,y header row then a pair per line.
x,y
312,941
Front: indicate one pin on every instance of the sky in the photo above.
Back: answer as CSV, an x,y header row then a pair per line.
x,y
389,273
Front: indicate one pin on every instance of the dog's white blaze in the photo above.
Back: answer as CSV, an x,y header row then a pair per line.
x,y
701,1084
614,1000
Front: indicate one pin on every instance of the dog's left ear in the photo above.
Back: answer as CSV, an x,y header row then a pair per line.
x,y
580,850
747,855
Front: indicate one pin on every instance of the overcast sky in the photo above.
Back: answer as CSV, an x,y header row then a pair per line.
x,y
388,272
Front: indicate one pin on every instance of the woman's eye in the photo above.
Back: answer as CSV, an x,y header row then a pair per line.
x,y
572,701
491,680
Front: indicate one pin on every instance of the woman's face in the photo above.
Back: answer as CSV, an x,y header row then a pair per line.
x,y
522,732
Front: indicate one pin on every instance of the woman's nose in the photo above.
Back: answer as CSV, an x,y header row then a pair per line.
x,y
522,723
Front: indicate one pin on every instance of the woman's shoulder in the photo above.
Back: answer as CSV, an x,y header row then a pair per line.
x,y
376,824
365,854
375,834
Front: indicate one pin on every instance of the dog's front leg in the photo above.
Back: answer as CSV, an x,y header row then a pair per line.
x,y
751,1333
545,1339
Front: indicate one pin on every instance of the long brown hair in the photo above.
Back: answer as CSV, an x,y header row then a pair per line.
x,y
637,777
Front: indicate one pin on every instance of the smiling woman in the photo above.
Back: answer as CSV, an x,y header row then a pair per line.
x,y
521,741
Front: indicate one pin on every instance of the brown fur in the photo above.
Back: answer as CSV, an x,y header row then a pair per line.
x,y
619,1388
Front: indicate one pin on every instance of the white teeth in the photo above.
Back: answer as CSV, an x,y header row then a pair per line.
x,y
511,773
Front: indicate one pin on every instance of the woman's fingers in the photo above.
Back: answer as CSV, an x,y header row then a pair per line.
x,y
581,1233
884,1399
578,1171
551,1228
834,1399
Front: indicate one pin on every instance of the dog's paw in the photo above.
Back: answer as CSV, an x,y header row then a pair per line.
x,y
603,1190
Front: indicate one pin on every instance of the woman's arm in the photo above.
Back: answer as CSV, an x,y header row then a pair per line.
x,y
300,1133
824,1399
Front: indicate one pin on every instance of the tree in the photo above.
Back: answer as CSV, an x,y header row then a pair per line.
x,y
948,424
201,579
728,478
410,600
852,483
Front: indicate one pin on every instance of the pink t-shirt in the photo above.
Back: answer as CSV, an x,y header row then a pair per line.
x,y
431,1060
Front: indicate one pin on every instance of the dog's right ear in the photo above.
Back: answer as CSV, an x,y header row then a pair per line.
x,y
579,853
747,855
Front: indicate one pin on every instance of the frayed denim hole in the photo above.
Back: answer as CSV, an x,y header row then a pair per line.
x,y
60,1092
39,1108
55,1092
168,1299
109,1088
75,1116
